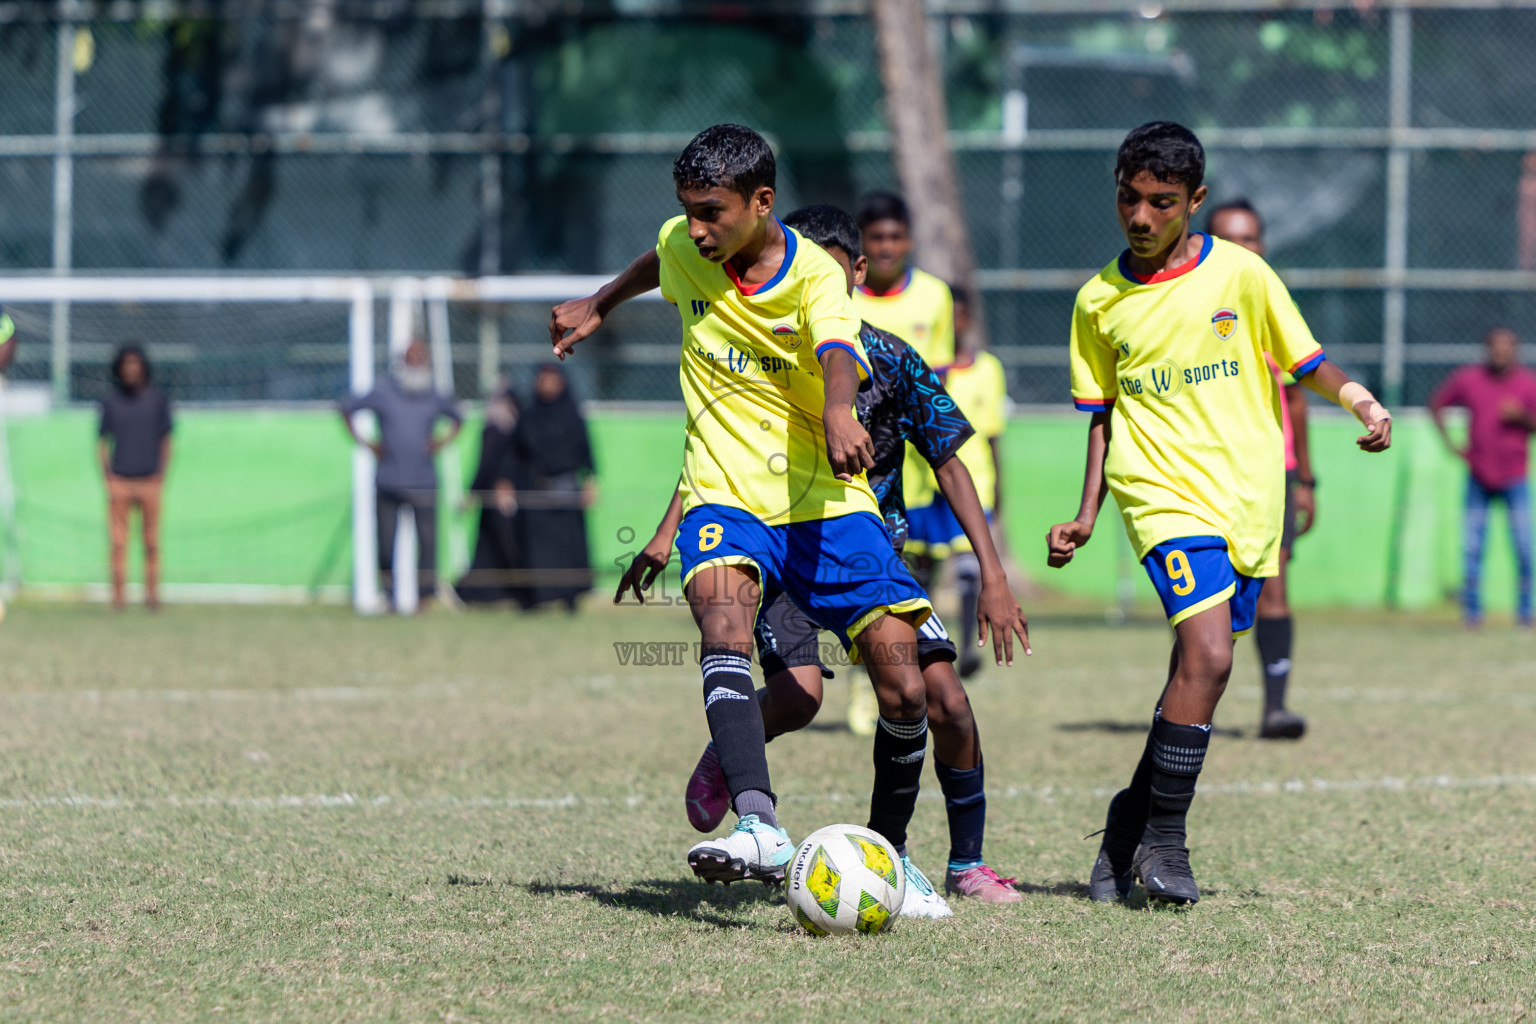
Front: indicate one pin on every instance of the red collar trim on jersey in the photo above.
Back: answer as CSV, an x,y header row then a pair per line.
x,y
754,289
1165,275
896,289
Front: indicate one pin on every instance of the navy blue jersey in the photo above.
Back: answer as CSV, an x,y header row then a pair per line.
x,y
905,401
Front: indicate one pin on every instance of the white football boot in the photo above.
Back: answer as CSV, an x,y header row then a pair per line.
x,y
921,900
753,849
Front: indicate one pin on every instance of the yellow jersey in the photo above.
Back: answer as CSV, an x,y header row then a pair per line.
x,y
1195,445
920,311
980,389
753,384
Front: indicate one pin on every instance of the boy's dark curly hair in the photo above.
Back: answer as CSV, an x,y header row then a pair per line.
x,y
1167,151
827,225
725,156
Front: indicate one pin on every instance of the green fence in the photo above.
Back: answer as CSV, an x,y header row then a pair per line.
x,y
258,502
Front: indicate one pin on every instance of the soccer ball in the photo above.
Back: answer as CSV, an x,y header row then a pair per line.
x,y
844,879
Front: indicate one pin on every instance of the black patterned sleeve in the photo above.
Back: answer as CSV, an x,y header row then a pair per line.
x,y
937,426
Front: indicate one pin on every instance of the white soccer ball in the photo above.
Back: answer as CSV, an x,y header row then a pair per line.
x,y
845,878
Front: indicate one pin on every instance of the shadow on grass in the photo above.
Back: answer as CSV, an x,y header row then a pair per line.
x,y
1073,890
1107,726
670,897
1137,900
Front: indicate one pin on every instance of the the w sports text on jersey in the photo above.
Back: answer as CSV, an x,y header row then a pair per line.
x,y
753,383
905,401
919,309
1195,446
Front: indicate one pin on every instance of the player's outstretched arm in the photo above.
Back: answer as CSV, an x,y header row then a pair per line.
x,y
1334,384
997,612
849,449
1065,538
653,558
572,321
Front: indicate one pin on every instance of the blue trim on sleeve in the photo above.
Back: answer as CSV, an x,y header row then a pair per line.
x,y
868,373
1092,406
1305,367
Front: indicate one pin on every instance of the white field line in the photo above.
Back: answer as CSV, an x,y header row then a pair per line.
x,y
312,694
570,801
436,690
1396,695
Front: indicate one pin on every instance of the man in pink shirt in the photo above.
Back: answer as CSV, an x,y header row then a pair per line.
x,y
1500,396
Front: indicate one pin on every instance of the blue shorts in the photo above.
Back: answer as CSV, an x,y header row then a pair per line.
x,y
842,572
1192,574
934,530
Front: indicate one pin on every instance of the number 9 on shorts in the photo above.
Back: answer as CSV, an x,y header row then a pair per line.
x,y
1192,574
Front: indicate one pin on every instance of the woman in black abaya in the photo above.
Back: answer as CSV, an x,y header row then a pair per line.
x,y
552,446
498,565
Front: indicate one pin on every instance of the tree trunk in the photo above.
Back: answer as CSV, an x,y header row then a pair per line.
x,y
919,123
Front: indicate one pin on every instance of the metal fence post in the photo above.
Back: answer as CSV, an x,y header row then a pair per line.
x,y
496,41
1394,298
63,197
365,543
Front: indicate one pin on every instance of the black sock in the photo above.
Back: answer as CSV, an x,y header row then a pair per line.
x,y
899,750
736,726
965,802
1135,799
1274,641
968,579
1178,754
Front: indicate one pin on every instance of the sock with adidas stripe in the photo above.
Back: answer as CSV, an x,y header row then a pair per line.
x,y
736,726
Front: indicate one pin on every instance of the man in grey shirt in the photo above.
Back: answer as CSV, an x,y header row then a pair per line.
x,y
408,408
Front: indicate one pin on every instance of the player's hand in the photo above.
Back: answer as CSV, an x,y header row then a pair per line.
x,y
998,615
849,449
1378,425
1064,540
506,497
1511,411
1306,507
644,569
572,321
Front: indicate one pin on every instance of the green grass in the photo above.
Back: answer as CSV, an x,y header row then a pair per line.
x,y
269,814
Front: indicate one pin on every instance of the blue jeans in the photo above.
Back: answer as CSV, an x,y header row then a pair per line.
x,y
1517,503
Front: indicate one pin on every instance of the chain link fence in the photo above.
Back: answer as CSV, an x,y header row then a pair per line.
x,y
1391,147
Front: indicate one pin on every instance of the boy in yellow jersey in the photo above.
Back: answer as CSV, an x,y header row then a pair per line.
x,y
773,489
904,402
1239,223
1168,354
978,383
896,296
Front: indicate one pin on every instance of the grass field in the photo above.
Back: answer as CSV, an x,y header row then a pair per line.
x,y
294,814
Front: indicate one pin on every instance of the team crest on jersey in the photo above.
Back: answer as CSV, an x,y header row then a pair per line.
x,y
787,336
1224,323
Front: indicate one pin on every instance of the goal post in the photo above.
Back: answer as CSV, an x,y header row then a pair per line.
x,y
233,332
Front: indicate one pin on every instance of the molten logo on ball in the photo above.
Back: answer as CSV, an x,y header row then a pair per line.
x,y
845,878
